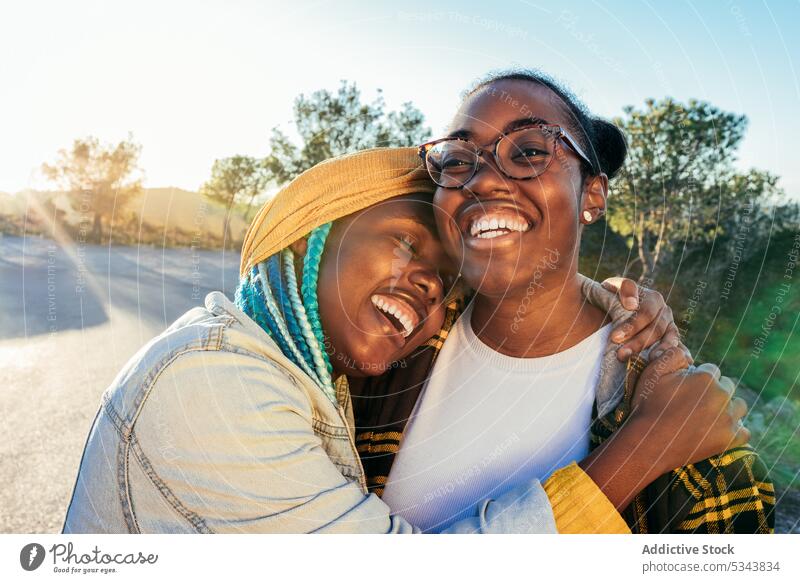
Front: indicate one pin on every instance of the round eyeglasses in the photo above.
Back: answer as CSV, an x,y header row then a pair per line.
x,y
521,154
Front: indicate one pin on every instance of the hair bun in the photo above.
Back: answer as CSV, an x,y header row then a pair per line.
x,y
610,146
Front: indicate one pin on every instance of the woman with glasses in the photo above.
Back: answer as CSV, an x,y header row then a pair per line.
x,y
237,418
525,384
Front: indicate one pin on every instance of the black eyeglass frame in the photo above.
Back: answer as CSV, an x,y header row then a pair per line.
x,y
561,135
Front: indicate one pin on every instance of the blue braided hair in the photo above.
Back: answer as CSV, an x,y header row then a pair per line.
x,y
281,294
316,242
270,295
261,308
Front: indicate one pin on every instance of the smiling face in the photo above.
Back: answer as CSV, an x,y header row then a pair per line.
x,y
506,233
382,280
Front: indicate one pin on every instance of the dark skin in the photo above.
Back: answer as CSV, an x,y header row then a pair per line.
x,y
553,204
388,251
501,269
393,248
678,417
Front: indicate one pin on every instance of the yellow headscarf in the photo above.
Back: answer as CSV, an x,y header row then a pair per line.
x,y
331,190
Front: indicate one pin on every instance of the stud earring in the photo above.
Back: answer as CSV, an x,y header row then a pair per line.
x,y
587,216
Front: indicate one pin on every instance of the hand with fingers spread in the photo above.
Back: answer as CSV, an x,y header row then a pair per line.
x,y
679,415
652,325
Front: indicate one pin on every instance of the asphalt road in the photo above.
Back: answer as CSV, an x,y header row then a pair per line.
x,y
71,317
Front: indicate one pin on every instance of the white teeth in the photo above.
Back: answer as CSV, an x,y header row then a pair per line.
x,y
487,228
398,311
490,234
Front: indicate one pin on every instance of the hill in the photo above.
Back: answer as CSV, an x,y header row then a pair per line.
x,y
170,216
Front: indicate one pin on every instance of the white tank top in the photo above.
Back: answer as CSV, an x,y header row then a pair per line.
x,y
486,422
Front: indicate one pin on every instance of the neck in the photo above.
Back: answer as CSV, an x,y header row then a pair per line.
x,y
555,317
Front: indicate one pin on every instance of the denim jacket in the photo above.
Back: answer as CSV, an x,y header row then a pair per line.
x,y
209,428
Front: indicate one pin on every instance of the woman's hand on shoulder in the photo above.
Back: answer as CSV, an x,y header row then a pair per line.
x,y
652,324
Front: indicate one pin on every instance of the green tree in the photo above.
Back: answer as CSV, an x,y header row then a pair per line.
x,y
235,180
99,179
679,186
333,123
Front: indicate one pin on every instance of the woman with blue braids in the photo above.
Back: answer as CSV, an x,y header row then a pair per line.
x,y
238,417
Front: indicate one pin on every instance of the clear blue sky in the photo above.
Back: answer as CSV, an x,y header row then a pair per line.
x,y
195,81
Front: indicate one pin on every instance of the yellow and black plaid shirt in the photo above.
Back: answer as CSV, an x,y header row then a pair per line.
x,y
727,493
